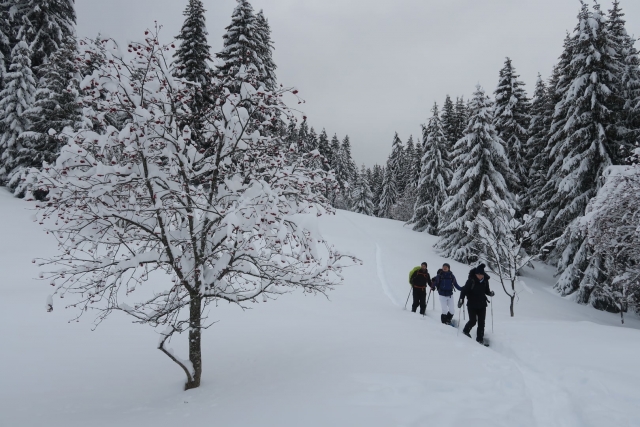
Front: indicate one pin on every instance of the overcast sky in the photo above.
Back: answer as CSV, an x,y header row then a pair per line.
x,y
370,68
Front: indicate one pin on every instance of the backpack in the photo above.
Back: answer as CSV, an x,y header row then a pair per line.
x,y
411,273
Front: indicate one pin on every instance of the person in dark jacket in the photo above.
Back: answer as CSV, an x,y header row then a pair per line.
x,y
476,291
420,279
446,283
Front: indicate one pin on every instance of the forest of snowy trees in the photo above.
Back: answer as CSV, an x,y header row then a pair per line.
x,y
552,158
565,158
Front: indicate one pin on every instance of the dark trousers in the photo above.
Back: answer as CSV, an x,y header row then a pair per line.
x,y
476,315
419,299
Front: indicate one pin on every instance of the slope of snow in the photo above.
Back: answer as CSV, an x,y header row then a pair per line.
x,y
355,359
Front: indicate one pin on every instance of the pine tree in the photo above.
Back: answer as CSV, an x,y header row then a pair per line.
x,y
589,143
5,43
512,120
376,182
461,119
410,171
324,148
349,169
244,50
311,142
536,149
482,174
396,163
15,99
303,135
45,25
435,175
54,110
265,52
389,195
362,194
193,55
450,123
627,128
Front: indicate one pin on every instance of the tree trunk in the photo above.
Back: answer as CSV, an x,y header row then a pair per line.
x,y
195,348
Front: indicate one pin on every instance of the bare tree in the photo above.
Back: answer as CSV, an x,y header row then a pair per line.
x,y
230,222
500,242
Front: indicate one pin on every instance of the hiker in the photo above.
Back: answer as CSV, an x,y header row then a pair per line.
x,y
420,279
476,290
446,283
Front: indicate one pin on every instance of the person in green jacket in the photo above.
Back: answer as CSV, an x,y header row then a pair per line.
x,y
419,280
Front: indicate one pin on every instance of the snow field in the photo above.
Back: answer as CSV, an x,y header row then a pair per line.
x,y
356,359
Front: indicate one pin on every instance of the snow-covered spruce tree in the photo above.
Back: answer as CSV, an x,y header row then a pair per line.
x,y
377,179
536,158
224,225
389,194
362,195
461,119
512,121
482,173
628,84
45,25
602,270
450,123
346,173
55,110
396,163
404,207
589,142
411,168
192,59
324,148
243,51
435,176
501,242
265,51
15,99
5,42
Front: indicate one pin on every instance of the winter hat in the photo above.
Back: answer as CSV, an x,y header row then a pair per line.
x,y
480,269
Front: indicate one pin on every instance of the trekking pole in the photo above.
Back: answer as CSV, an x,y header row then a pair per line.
x,y
405,304
427,304
459,310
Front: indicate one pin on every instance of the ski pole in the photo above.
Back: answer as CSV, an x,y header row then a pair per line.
x,y
459,310
427,304
405,304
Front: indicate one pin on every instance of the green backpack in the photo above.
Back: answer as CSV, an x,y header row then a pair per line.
x,y
412,272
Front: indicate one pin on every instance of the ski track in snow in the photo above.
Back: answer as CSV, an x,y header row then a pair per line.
x,y
382,278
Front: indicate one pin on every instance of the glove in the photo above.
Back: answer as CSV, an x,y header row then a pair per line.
x,y
492,294
460,303
433,289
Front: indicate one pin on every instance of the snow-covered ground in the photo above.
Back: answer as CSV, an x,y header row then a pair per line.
x,y
356,359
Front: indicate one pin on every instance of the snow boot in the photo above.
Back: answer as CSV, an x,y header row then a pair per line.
x,y
480,341
464,331
448,318
443,318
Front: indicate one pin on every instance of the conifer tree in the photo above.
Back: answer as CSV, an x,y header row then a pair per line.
x,y
362,194
15,99
461,119
311,142
482,174
537,156
54,110
303,135
193,55
396,163
389,195
348,166
435,175
265,52
410,170
45,25
589,143
377,179
512,120
324,148
627,128
5,43
244,50
450,123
